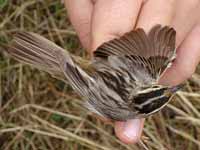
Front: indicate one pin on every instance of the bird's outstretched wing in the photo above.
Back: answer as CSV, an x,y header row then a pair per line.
x,y
145,55
33,49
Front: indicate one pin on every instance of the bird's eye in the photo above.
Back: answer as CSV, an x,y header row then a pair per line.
x,y
157,86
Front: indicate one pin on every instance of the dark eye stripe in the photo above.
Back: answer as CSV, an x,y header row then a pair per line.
x,y
153,106
152,100
143,97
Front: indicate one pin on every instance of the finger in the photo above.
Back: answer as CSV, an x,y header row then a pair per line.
x,y
186,16
129,132
112,18
80,12
187,59
156,12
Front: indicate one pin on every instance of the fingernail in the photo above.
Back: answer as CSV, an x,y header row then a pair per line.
x,y
132,129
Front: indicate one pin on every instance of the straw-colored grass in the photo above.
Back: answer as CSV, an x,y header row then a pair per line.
x,y
38,112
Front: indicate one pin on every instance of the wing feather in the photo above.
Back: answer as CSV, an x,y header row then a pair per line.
x,y
154,51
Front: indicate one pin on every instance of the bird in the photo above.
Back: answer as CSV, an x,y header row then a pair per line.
x,y
121,81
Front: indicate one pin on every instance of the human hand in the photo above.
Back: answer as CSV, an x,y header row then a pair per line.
x,y
98,21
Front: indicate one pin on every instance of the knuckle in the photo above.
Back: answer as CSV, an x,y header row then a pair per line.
x,y
93,1
143,1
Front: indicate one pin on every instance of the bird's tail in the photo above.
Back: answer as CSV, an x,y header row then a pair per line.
x,y
32,49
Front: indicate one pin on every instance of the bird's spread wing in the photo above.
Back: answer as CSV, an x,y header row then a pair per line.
x,y
33,49
144,55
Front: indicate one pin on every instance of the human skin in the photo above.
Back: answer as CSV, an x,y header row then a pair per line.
x,y
98,21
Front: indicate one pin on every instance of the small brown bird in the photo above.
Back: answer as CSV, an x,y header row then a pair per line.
x,y
123,79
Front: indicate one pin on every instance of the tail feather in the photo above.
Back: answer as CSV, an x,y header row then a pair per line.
x,y
43,54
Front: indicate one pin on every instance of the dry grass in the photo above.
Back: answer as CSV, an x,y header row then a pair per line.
x,y
38,112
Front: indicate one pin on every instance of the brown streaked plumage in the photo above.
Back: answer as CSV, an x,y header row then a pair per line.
x,y
122,81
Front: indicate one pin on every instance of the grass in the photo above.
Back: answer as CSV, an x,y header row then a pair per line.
x,y
38,112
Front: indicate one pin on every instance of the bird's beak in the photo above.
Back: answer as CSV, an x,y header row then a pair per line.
x,y
176,88
170,91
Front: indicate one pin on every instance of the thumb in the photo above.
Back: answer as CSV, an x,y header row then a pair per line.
x,y
130,131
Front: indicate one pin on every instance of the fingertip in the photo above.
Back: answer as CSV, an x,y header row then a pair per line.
x,y
129,132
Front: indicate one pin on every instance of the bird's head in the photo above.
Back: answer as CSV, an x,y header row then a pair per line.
x,y
151,99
